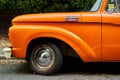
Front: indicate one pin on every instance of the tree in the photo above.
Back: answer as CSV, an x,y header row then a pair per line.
x,y
40,6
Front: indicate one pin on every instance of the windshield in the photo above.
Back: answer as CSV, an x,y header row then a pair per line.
x,y
92,5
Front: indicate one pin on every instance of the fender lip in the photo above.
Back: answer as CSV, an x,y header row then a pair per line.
x,y
72,40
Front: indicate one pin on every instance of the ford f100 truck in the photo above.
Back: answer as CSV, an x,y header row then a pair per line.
x,y
43,39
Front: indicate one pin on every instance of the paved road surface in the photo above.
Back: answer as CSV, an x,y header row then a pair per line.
x,y
19,70
72,70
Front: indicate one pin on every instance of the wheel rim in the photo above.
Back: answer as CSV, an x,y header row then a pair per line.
x,y
43,57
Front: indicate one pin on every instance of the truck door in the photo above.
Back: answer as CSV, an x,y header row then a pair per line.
x,y
111,31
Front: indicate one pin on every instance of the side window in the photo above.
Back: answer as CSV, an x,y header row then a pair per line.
x,y
118,5
111,6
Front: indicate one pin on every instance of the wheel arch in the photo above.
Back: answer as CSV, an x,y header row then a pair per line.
x,y
62,45
67,37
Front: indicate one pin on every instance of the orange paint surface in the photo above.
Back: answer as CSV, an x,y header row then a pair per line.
x,y
93,35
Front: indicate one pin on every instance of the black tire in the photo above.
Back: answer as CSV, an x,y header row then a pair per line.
x,y
46,58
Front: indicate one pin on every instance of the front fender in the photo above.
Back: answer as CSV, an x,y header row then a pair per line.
x,y
30,33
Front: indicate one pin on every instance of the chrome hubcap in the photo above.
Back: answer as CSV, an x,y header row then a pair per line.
x,y
44,57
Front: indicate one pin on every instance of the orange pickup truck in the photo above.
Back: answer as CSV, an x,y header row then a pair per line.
x,y
43,39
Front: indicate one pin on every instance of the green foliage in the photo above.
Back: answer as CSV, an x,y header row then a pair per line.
x,y
78,4
22,6
39,6
56,7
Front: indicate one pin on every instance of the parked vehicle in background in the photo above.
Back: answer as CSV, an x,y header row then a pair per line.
x,y
43,39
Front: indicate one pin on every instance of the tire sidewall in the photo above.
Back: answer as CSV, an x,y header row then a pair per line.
x,y
56,64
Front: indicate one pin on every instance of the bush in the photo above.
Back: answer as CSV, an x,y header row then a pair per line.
x,y
39,6
22,6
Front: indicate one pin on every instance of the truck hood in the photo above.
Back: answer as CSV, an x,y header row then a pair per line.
x,y
48,17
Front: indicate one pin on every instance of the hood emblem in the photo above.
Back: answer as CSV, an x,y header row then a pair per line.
x,y
71,18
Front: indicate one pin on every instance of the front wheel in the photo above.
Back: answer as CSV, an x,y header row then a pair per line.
x,y
46,58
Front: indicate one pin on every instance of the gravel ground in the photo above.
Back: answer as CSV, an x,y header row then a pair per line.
x,y
4,42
